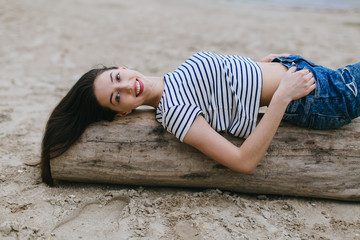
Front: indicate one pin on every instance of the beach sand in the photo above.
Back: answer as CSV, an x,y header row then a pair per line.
x,y
45,46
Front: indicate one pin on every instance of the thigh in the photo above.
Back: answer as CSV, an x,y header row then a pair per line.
x,y
317,113
334,102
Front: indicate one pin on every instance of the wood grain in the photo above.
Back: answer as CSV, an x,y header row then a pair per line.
x,y
136,150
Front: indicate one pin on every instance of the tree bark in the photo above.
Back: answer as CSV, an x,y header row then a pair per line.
x,y
136,150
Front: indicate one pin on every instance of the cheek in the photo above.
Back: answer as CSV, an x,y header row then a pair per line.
x,y
125,104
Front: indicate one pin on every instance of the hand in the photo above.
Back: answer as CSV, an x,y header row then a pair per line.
x,y
270,57
295,85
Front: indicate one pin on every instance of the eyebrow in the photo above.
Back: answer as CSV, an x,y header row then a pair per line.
x,y
111,78
111,95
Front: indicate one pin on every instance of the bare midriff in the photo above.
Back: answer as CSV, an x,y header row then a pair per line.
x,y
272,74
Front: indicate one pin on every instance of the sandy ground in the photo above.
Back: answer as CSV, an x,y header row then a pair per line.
x,y
46,45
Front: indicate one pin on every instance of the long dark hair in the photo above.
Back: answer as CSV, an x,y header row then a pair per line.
x,y
71,116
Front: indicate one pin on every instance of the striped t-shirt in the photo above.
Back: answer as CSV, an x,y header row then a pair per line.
x,y
224,89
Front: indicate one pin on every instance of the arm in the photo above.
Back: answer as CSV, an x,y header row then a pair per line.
x,y
246,157
270,57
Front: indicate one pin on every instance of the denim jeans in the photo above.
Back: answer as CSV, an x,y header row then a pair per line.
x,y
334,102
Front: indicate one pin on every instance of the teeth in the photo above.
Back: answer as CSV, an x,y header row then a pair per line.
x,y
137,87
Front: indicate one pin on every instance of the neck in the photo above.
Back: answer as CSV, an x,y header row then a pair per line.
x,y
158,89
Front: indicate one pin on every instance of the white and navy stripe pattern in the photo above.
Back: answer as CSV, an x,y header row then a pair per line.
x,y
224,89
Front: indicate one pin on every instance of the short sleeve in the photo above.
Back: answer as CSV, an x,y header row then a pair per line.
x,y
178,119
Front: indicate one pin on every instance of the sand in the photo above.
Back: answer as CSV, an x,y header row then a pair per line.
x,y
45,46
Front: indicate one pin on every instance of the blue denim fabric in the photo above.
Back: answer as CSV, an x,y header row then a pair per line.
x,y
334,102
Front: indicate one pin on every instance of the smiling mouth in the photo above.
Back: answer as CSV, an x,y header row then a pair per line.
x,y
139,87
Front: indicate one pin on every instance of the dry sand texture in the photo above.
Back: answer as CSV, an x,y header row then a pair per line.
x,y
46,45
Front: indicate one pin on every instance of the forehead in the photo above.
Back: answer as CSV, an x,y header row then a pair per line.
x,y
102,80
104,76
102,87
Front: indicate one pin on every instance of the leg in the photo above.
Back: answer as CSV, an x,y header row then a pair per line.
x,y
351,78
335,101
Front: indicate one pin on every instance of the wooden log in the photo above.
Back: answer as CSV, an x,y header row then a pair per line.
x,y
136,150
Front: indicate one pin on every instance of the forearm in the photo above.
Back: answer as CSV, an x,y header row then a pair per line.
x,y
294,85
255,146
245,158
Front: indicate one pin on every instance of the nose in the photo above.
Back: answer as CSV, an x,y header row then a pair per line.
x,y
123,86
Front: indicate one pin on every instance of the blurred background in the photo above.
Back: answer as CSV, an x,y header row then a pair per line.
x,y
46,45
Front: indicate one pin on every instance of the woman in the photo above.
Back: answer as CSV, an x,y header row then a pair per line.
x,y
207,94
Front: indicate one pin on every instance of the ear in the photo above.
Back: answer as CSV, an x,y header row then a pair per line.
x,y
122,114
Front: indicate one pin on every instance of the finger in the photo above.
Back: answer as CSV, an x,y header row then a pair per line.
x,y
284,54
304,71
306,74
292,69
312,88
311,81
309,76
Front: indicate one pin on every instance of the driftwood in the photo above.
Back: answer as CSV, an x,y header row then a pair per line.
x,y
136,150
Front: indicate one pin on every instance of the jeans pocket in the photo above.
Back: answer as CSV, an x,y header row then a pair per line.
x,y
321,121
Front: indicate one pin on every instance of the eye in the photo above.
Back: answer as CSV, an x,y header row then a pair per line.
x,y
118,76
117,97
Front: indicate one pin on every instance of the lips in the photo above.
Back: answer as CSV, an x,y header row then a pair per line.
x,y
139,87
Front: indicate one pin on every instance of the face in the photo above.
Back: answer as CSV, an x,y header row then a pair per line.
x,y
122,90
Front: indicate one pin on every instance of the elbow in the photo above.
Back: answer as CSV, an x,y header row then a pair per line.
x,y
248,170
244,168
245,164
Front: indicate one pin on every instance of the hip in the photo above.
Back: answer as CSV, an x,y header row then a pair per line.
x,y
334,102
